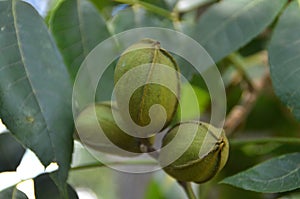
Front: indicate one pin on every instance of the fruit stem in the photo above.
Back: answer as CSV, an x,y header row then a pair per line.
x,y
146,147
187,187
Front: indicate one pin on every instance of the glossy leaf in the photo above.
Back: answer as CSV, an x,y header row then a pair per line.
x,y
77,27
279,174
35,89
12,193
230,24
284,57
45,188
11,152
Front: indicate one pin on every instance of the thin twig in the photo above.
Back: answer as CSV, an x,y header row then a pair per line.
x,y
100,164
249,96
279,140
240,111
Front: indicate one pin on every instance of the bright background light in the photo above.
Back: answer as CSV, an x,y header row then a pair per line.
x,y
29,168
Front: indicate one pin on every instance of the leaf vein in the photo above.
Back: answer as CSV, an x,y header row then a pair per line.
x,y
14,2
247,7
10,64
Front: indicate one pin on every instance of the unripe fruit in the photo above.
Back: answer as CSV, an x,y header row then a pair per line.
x,y
189,166
147,52
107,138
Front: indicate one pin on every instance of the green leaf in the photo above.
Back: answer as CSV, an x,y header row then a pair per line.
x,y
158,3
123,20
77,27
11,152
266,146
12,193
284,58
134,18
35,89
278,174
230,24
105,7
51,9
103,3
45,188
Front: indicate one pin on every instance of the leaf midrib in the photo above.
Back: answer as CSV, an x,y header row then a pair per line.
x,y
279,178
80,24
14,2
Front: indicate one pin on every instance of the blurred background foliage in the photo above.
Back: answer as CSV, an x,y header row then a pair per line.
x,y
263,133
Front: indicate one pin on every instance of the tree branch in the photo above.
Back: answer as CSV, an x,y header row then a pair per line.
x,y
240,111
